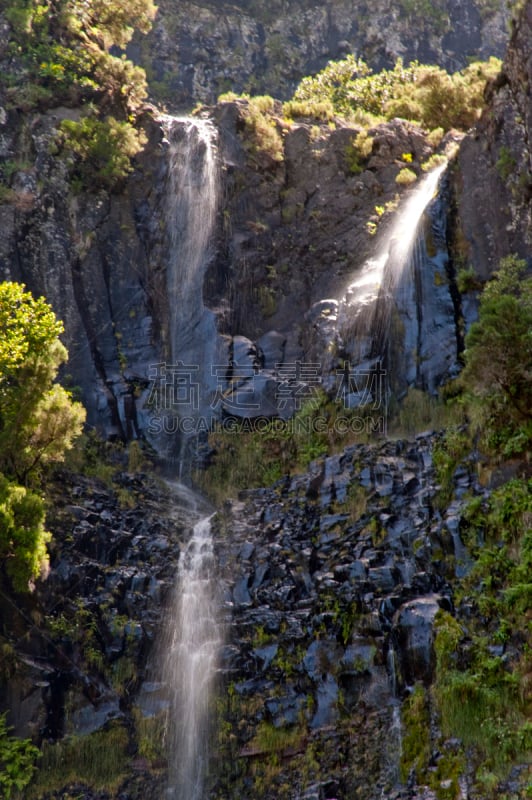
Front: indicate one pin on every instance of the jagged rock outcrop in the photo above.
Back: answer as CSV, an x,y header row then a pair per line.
x,y
334,578
198,50
495,168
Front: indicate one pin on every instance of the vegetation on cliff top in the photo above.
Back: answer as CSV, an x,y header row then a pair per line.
x,y
59,54
418,92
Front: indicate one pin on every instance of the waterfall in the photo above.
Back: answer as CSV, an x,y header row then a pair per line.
x,y
394,742
394,308
185,384
191,205
190,664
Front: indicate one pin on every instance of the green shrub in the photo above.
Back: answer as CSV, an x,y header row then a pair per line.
x,y
435,136
64,53
420,93
498,354
18,759
467,280
405,177
307,109
433,161
358,152
100,151
484,699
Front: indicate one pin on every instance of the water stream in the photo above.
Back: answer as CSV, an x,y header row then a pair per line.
x,y
381,308
191,205
190,665
193,633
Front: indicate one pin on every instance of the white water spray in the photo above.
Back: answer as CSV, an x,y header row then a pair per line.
x,y
190,665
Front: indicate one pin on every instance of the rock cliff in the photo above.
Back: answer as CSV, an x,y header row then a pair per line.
x,y
199,50
332,577
494,168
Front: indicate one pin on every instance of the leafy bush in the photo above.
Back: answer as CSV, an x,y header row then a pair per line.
x,y
405,177
65,52
483,697
260,125
17,761
23,539
101,151
307,109
498,358
421,93
433,161
358,152
467,280
38,423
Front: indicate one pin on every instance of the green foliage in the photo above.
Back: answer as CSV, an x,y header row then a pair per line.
x,y
265,136
60,56
485,698
435,136
261,126
64,49
17,761
433,161
498,359
113,21
506,163
38,423
151,736
467,280
419,411
416,738
307,109
99,760
421,93
100,150
249,454
358,152
447,454
22,536
273,740
333,84
38,419
405,177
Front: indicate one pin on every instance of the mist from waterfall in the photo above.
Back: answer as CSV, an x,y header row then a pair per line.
x,y
190,660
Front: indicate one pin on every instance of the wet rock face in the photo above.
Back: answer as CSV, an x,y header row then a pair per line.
x,y
333,582
197,50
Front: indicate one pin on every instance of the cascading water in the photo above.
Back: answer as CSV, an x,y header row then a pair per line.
x,y
191,201
393,310
192,639
190,665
